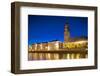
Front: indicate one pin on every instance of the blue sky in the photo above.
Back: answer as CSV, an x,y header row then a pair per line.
x,y
47,28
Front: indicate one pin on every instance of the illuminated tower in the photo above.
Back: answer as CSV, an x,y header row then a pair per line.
x,y
66,33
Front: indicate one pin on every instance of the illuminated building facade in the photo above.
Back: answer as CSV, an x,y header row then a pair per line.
x,y
71,48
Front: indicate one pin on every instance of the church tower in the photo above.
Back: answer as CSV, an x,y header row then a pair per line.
x,y
66,33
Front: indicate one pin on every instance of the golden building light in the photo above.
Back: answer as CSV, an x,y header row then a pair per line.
x,y
35,46
49,48
72,56
77,56
41,46
68,56
85,41
57,45
56,56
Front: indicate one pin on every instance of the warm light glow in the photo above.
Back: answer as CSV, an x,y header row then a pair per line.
x,y
56,56
68,56
73,56
35,46
57,45
48,47
49,56
40,56
77,56
78,44
41,46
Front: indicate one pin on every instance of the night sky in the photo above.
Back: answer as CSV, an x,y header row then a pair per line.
x,y
47,28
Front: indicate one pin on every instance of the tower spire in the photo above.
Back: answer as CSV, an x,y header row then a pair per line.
x,y
66,32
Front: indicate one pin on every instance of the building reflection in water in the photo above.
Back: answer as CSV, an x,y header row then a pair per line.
x,y
55,56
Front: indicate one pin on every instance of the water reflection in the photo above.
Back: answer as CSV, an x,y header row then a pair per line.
x,y
55,56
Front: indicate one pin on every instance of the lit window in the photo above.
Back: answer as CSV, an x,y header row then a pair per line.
x,y
48,47
41,46
35,46
57,45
